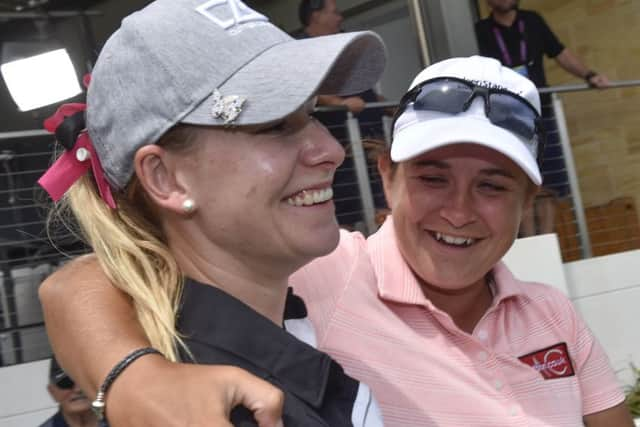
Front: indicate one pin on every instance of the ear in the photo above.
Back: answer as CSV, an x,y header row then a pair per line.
x,y
385,169
530,197
156,170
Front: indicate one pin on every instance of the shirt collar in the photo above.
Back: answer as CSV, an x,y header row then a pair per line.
x,y
398,283
211,316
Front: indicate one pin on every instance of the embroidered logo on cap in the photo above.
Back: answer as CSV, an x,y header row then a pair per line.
x,y
230,13
552,362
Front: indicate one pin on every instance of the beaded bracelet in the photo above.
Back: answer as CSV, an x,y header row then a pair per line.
x,y
98,405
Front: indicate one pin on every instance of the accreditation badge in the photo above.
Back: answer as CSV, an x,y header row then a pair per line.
x,y
522,69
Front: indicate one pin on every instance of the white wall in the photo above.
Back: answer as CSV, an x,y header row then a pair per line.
x,y
24,400
606,291
393,23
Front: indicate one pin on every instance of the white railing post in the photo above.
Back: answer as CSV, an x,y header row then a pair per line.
x,y
362,173
567,154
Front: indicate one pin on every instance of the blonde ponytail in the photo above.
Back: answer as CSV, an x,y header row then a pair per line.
x,y
130,246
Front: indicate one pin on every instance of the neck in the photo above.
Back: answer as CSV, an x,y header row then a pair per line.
x,y
505,18
260,283
82,419
465,306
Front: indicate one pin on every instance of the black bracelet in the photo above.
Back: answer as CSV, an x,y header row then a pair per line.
x,y
98,405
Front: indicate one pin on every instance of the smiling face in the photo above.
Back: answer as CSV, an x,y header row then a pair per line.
x,y
263,194
456,212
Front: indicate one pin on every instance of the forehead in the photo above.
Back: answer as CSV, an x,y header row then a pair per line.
x,y
468,155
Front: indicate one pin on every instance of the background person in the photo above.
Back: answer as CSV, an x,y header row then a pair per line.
x,y
74,408
520,39
424,310
210,186
320,18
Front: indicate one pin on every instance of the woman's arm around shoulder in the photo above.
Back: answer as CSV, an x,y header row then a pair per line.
x,y
92,326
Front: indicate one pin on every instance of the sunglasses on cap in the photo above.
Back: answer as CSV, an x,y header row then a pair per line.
x,y
503,108
63,381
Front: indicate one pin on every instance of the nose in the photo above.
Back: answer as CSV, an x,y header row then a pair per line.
x,y
320,148
458,208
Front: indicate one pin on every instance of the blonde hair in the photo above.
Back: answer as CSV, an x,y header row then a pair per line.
x,y
131,248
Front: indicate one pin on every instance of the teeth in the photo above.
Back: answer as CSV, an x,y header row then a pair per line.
x,y
311,197
451,240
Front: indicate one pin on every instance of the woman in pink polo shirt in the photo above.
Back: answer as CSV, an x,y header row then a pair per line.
x,y
423,311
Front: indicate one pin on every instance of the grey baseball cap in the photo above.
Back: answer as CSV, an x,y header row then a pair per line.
x,y
186,61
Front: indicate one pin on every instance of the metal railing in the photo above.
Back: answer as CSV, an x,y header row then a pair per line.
x,y
26,256
558,134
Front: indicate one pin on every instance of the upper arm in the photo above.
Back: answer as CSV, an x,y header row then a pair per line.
x,y
619,415
91,325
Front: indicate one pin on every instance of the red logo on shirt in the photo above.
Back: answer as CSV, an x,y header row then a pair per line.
x,y
552,362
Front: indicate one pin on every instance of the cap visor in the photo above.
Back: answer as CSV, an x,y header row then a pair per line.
x,y
285,76
428,135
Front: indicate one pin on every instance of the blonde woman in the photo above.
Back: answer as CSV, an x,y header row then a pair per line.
x,y
209,185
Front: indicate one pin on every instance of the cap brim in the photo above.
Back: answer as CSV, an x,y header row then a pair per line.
x,y
282,78
428,135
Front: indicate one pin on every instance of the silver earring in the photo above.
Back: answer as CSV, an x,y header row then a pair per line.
x,y
188,206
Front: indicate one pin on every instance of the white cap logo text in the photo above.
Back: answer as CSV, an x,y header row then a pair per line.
x,y
230,13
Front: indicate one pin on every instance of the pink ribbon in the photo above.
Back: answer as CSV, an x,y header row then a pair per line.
x,y
74,163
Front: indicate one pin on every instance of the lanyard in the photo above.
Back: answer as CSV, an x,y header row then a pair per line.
x,y
503,47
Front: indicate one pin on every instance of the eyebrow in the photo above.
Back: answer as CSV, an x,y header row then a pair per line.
x,y
444,165
434,163
497,171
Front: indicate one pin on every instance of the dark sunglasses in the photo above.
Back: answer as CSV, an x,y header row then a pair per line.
x,y
63,381
503,108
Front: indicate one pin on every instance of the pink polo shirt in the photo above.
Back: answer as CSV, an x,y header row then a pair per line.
x,y
531,360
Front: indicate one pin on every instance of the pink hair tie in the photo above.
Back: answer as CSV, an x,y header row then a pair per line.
x,y
68,126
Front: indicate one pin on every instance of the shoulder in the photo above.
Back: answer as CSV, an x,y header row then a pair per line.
x,y
326,277
532,16
540,299
546,294
483,24
55,421
548,308
350,246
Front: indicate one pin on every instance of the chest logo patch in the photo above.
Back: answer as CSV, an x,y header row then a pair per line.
x,y
551,362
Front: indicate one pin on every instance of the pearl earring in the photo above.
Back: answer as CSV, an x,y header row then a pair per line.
x,y
188,206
